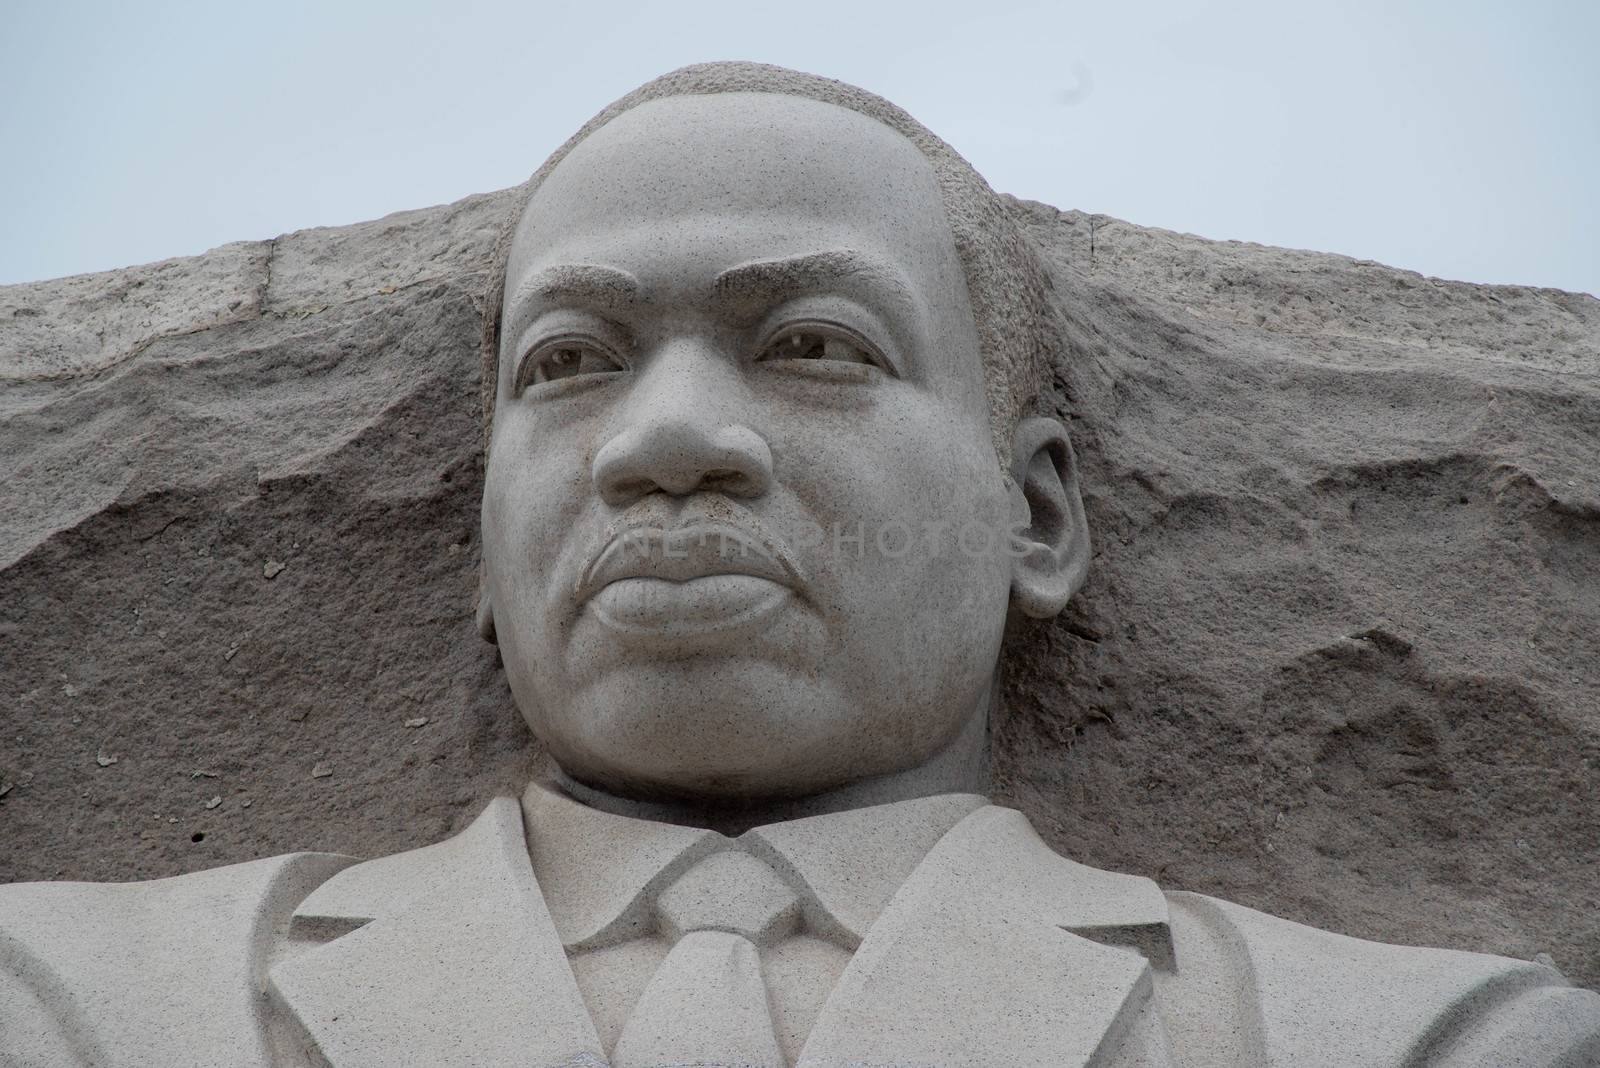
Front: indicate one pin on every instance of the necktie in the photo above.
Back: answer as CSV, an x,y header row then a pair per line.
x,y
707,1005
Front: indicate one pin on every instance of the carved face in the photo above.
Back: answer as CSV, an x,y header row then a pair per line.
x,y
740,425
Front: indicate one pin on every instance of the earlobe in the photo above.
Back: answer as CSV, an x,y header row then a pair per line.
x,y
1051,541
485,614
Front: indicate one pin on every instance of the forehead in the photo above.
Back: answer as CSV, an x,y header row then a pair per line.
x,y
734,176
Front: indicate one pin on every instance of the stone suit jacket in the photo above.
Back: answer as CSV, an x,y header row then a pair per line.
x,y
995,952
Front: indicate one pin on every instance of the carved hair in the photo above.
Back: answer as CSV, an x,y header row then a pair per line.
x,y
1008,287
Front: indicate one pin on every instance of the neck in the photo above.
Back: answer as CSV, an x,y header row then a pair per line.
x,y
960,767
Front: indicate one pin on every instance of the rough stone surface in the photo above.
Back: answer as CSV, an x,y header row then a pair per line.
x,y
1337,658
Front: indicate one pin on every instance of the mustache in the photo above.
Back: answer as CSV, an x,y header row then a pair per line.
x,y
688,548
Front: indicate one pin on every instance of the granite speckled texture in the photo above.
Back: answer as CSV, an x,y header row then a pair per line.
x,y
1336,659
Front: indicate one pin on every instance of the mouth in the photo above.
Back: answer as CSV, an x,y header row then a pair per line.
x,y
700,578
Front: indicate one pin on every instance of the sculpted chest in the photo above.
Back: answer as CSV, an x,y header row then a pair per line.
x,y
994,952
968,938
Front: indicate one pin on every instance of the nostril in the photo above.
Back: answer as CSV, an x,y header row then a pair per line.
x,y
679,457
629,489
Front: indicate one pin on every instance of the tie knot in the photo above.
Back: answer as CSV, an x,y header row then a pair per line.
x,y
730,891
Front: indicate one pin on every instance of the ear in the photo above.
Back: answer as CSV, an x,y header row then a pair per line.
x,y
1050,543
485,616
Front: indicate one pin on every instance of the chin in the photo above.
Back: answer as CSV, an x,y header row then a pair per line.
x,y
715,730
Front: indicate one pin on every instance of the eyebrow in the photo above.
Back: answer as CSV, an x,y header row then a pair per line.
x,y
763,281
577,283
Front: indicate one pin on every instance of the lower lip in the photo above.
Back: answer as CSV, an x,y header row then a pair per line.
x,y
707,605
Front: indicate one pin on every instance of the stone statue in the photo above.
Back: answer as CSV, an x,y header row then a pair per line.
x,y
768,474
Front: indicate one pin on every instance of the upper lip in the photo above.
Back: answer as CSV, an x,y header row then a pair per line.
x,y
687,551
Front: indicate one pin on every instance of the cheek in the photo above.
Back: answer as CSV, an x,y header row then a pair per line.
x,y
935,472
492,523
506,514
925,588
521,516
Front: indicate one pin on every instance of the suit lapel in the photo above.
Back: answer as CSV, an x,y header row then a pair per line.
x,y
999,952
996,951
451,959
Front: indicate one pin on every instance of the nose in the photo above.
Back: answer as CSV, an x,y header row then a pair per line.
x,y
677,440
680,457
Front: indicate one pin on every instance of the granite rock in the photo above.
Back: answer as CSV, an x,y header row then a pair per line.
x,y
1336,660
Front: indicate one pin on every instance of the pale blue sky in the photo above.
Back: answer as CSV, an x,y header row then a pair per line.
x,y
1460,139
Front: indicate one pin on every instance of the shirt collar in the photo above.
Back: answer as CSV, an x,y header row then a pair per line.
x,y
601,872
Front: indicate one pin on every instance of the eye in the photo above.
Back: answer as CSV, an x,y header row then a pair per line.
x,y
810,343
564,358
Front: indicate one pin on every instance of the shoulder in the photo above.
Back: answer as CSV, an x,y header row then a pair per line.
x,y
146,972
1313,997
1234,986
